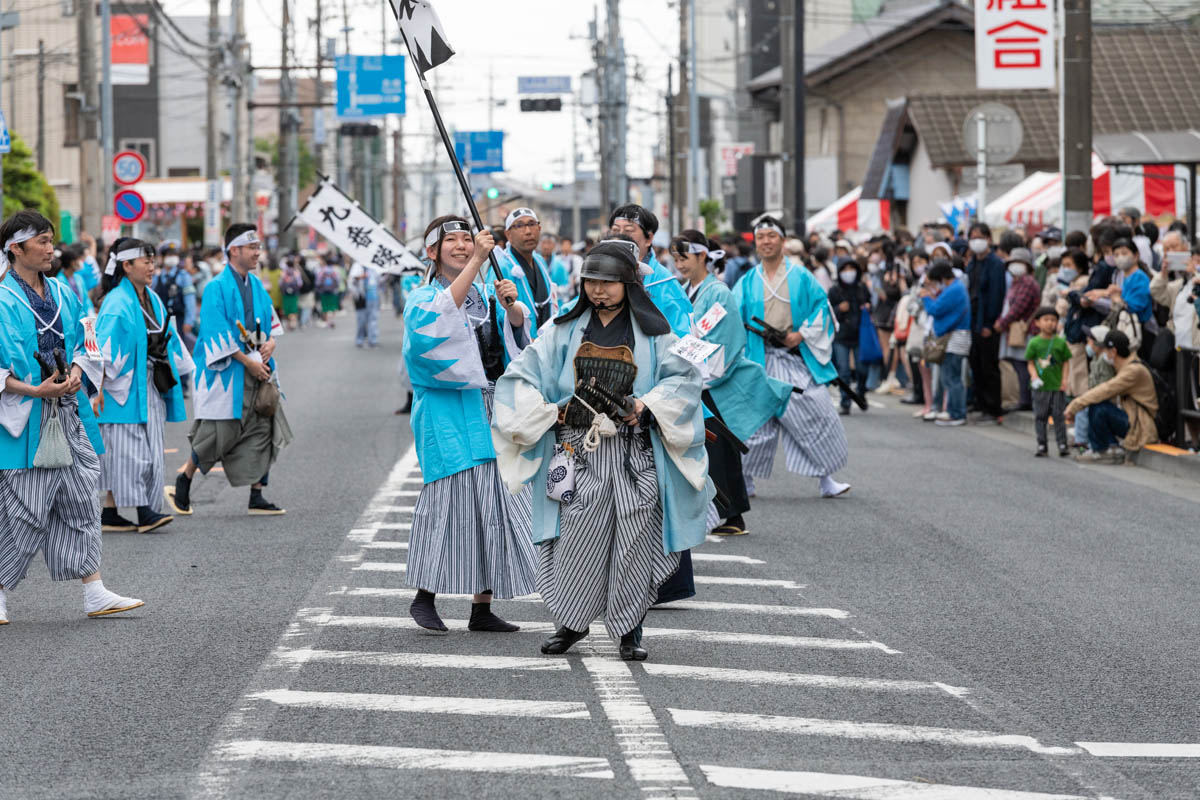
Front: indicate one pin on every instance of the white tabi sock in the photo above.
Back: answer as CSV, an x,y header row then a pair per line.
x,y
97,598
831,488
3,606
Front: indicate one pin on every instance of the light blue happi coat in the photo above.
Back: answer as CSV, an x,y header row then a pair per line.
x,y
121,331
668,295
541,381
743,392
513,271
441,353
810,313
220,377
20,415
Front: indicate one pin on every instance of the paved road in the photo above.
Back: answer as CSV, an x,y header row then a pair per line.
x,y
960,622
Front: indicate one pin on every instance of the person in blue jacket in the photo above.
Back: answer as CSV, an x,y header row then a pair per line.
x,y
141,391
49,467
521,263
945,300
787,297
661,284
71,272
469,535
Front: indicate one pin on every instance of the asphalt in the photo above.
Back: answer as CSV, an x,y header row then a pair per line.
x,y
1062,597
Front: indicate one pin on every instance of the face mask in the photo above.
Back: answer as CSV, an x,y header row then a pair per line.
x,y
919,269
171,262
1090,352
873,267
1017,270
978,246
1125,262
847,276
1108,359
1067,274
1055,251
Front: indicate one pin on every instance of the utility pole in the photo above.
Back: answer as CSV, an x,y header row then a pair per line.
x,y
399,212
106,103
693,194
213,194
237,208
319,143
603,105
680,167
791,47
287,176
41,106
1075,115
576,210
614,75
671,155
91,191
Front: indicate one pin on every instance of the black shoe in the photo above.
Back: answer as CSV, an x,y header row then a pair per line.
x,y
562,640
844,411
482,619
179,497
424,612
1041,451
112,522
149,520
1064,451
911,401
260,506
631,646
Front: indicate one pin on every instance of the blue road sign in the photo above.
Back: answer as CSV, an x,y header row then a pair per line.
x,y
129,206
544,84
481,151
370,86
5,140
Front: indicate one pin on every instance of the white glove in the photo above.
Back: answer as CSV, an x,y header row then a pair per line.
x,y
1036,383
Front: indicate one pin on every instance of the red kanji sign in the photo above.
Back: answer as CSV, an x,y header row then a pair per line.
x,y
1014,44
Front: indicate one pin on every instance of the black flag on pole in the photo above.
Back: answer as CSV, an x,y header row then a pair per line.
x,y
422,30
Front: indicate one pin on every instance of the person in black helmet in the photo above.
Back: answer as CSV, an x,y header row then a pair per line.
x,y
606,422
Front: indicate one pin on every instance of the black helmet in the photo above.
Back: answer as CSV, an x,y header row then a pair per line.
x,y
611,260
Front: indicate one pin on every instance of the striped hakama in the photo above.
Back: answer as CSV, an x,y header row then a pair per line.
x,y
52,510
814,441
470,535
131,466
608,558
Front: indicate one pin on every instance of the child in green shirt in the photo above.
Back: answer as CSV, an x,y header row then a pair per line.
x,y
1049,360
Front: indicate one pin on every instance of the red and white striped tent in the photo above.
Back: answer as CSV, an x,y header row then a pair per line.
x,y
1037,201
850,213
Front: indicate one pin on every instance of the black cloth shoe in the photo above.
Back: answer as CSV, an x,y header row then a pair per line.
x,y
260,506
1041,451
149,521
112,522
631,646
180,497
562,640
1064,451
482,619
424,612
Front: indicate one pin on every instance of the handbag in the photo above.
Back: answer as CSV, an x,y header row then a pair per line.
x,y
904,321
869,350
266,398
1018,334
560,475
935,348
53,451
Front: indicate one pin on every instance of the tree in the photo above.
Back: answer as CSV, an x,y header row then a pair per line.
x,y
710,209
268,147
24,186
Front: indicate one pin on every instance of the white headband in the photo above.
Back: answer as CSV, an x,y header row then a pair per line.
x,y
715,256
437,233
242,239
516,214
770,226
128,254
23,235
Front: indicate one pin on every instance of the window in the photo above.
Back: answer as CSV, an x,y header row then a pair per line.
x,y
143,146
71,117
68,8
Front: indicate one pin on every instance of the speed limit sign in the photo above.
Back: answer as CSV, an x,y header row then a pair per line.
x,y
128,167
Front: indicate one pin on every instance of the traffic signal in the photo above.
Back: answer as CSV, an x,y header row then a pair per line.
x,y
364,129
542,104
547,185
492,193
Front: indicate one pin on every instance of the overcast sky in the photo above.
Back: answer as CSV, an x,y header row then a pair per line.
x,y
493,47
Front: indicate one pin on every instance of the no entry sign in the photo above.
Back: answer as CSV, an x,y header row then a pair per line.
x,y
128,167
129,206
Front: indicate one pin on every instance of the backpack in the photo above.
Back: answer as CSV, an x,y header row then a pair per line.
x,y
1168,405
172,296
327,281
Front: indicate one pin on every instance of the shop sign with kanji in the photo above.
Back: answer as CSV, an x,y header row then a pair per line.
x,y
338,218
1015,44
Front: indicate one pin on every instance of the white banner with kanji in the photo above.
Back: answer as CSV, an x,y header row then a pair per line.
x,y
1014,44
340,219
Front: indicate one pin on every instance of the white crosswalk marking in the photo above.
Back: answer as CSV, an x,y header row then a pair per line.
x,y
726,559
423,704
763,677
386,545
424,660
856,787
846,729
765,583
757,608
357,755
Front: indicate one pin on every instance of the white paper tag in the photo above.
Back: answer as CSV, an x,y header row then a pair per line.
x,y
693,349
710,319
90,345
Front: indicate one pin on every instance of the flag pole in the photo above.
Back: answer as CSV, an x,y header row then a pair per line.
x,y
441,126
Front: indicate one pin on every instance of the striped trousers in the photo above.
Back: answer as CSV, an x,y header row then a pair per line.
x,y
52,510
814,441
470,535
608,558
131,466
